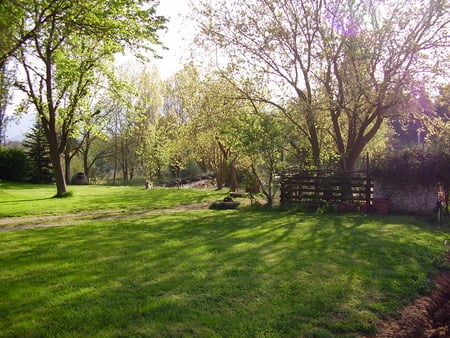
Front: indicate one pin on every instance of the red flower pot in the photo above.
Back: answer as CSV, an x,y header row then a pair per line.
x,y
381,205
364,207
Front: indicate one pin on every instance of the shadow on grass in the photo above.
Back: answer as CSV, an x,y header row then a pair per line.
x,y
212,273
27,200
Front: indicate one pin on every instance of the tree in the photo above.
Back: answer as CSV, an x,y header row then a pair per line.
x,y
13,165
219,107
90,126
148,102
4,98
74,43
262,138
94,151
204,108
122,128
375,60
37,149
134,107
155,150
93,135
72,149
20,21
181,105
349,61
437,122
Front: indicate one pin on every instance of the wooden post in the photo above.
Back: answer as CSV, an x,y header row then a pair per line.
x,y
368,180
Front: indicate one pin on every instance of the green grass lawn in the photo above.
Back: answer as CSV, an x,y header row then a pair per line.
x,y
28,199
208,273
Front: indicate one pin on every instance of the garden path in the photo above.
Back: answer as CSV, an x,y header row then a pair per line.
x,y
33,222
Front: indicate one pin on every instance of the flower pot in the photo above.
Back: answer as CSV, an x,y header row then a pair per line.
x,y
381,205
364,207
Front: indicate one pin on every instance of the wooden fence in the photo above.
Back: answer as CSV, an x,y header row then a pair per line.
x,y
315,189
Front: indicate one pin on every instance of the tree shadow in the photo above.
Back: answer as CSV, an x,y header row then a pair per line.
x,y
27,200
207,273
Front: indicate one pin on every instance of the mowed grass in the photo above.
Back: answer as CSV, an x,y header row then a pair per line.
x,y
210,273
29,199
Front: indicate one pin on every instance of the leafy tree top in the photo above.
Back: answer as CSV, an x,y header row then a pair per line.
x,y
127,24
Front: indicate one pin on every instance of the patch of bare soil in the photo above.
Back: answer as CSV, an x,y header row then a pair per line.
x,y
428,317
19,223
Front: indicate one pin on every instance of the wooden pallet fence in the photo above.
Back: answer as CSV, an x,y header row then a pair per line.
x,y
313,190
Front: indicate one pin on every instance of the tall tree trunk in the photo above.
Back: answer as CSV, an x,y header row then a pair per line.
x,y
67,160
116,154
56,148
233,176
86,166
221,173
315,144
222,165
58,171
3,102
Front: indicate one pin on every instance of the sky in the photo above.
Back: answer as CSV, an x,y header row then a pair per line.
x,y
176,39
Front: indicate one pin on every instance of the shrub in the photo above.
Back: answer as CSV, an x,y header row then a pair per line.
x,y
226,204
38,152
13,165
415,165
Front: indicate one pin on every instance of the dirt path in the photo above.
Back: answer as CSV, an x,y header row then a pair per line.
x,y
33,222
428,317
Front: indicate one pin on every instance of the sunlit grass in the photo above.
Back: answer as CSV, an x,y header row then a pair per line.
x,y
27,199
214,273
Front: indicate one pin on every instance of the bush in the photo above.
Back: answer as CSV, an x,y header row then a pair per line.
x,y
226,204
13,165
192,169
413,165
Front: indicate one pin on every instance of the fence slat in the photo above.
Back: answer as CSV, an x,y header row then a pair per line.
x,y
326,187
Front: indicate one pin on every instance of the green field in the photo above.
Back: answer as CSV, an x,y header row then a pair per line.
x,y
205,273
28,199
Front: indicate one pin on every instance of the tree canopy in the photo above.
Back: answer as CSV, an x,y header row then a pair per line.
x,y
351,62
69,45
